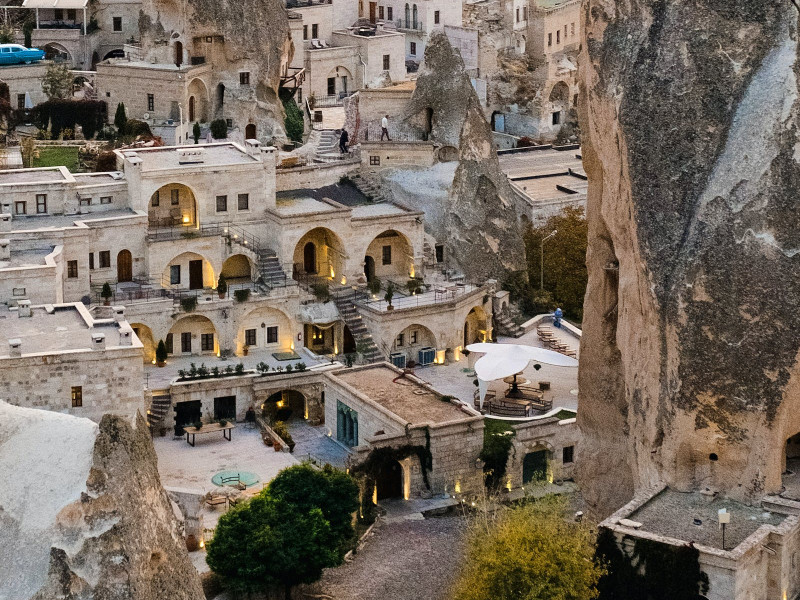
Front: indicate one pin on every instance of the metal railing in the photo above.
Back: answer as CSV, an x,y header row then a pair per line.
x,y
331,100
373,131
233,233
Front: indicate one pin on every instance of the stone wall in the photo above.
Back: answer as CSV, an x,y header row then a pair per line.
x,y
688,368
312,176
386,155
548,434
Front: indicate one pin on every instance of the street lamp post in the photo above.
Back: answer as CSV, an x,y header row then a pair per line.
x,y
541,258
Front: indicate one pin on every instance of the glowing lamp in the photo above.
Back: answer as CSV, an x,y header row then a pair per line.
x,y
202,543
291,345
185,219
344,280
458,487
411,272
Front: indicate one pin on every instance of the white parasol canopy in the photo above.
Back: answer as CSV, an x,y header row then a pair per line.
x,y
502,360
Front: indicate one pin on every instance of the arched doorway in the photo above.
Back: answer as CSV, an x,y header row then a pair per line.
x,y
191,109
250,132
237,268
475,326
189,270
118,53
178,54
319,252
349,342
145,335
192,335
172,205
392,255
57,53
310,258
534,467
220,98
389,482
124,266
369,268
412,340
286,405
198,100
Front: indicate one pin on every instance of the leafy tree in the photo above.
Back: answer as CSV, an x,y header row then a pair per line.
x,y
335,492
294,121
6,35
287,534
196,132
57,81
530,552
120,118
565,274
219,129
161,352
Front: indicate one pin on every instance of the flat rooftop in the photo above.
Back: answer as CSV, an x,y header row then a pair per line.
x,y
40,175
672,514
32,222
26,258
540,162
301,205
166,157
62,330
344,193
552,186
383,209
408,399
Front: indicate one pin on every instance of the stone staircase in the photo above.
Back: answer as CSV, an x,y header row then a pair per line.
x,y
345,303
327,148
269,267
162,401
370,186
505,325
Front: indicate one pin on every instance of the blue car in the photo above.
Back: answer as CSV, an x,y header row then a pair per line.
x,y
16,54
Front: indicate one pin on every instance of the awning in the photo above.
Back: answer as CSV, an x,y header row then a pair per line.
x,y
55,3
503,360
321,315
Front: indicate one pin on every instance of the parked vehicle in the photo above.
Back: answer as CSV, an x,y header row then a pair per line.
x,y
16,54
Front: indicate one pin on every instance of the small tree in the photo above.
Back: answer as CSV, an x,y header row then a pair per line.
x,y
28,149
389,293
121,119
196,132
374,286
219,129
529,552
106,292
222,286
161,352
57,81
6,34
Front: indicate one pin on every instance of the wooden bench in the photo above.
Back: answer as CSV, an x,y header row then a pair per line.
x,y
217,500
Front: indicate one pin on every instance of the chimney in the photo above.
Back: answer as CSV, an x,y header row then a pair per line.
x,y
98,341
24,308
125,336
5,249
15,348
119,313
5,220
252,147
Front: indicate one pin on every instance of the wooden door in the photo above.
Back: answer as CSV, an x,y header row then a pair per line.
x,y
195,274
310,258
390,481
124,266
373,7
250,132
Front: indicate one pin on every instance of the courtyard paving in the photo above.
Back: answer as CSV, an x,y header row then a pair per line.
x,y
314,444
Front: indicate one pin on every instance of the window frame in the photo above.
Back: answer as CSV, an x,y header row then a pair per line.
x,y
186,342
104,259
76,396
91,261
244,77
155,199
412,50
23,204
315,31
437,17
243,205
174,274
386,255
205,346
272,335
106,199
387,64
374,160
400,340
72,269
41,204
84,201
116,24
251,337
151,102
222,203
568,455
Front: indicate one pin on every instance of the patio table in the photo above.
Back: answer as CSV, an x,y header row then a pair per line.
x,y
210,428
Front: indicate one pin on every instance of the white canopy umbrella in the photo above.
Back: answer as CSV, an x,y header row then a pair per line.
x,y
503,360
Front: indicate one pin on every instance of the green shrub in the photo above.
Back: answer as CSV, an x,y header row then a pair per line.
x,y
121,119
196,132
241,295
374,286
161,352
136,128
321,292
219,129
294,121
189,304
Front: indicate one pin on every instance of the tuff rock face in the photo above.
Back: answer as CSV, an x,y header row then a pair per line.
x,y
479,215
248,35
689,358
83,513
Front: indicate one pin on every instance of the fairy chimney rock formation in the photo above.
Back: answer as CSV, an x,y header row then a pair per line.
x,y
689,357
83,513
480,218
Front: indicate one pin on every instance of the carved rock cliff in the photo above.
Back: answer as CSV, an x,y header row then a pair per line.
x,y
689,357
83,513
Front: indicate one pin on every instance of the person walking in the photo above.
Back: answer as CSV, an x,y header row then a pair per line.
x,y
343,139
385,128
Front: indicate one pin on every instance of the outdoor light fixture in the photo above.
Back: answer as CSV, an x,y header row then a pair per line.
x,y
185,219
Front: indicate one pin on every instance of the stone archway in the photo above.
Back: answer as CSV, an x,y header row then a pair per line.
x,y
319,253
172,205
392,256
193,335
475,326
411,340
264,329
149,343
198,100
57,52
189,270
237,268
286,404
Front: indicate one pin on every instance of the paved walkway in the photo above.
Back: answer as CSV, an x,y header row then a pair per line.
x,y
313,443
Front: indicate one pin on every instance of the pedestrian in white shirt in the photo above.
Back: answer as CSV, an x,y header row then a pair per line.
x,y
385,128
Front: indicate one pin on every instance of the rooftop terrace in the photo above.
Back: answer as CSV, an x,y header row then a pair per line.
x,y
32,222
406,396
672,514
213,155
39,175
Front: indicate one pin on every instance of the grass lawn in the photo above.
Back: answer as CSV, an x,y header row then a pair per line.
x,y
56,156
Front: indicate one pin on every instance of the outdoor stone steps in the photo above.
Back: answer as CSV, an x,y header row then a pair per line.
x,y
270,269
158,409
350,315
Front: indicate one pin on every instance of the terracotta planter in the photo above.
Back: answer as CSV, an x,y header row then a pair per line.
x,y
277,447
106,302
191,543
161,364
245,350
221,295
390,307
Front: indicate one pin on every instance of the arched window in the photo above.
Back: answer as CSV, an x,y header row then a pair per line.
x,y
414,23
408,16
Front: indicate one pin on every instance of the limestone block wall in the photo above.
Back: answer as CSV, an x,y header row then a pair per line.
x,y
455,448
320,64
111,380
41,284
312,176
372,417
387,155
548,434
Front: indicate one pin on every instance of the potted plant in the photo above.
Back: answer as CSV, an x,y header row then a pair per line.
x,y
374,286
106,293
196,132
189,303
161,353
222,286
414,285
389,295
